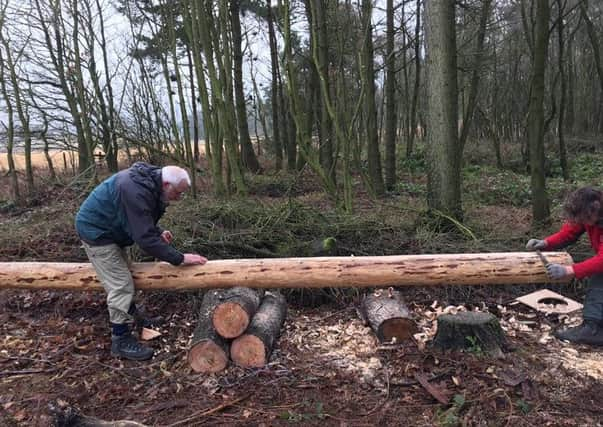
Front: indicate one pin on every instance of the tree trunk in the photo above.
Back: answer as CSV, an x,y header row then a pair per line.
x,y
415,94
370,111
593,36
10,133
253,348
505,268
248,157
276,127
563,93
475,72
387,314
473,331
208,351
390,96
233,313
540,202
444,174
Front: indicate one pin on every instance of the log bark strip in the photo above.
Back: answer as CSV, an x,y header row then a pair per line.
x,y
386,313
233,313
253,348
208,351
505,268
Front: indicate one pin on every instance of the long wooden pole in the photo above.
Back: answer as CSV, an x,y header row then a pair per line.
x,y
505,268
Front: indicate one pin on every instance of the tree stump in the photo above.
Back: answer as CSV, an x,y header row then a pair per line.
x,y
386,313
232,314
253,348
209,351
472,331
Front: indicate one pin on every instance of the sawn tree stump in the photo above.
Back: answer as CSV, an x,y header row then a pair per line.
x,y
209,351
473,331
253,348
233,313
385,312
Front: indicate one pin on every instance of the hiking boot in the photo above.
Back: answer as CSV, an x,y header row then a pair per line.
x,y
586,333
128,347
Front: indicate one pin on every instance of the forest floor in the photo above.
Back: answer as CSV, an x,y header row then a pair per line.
x,y
327,368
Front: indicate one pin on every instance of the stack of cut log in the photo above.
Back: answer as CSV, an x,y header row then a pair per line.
x,y
237,323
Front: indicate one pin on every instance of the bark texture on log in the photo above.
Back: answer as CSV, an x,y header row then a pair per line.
x,y
474,331
233,313
208,351
386,313
253,348
504,268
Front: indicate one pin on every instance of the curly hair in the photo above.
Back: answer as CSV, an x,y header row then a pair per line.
x,y
582,204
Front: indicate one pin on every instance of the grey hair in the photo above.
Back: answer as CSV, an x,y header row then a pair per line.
x,y
174,175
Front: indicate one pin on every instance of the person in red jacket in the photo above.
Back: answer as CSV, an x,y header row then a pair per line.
x,y
583,212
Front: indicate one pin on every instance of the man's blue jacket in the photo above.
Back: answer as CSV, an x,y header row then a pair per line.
x,y
124,209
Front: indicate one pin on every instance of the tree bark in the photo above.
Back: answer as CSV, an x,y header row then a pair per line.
x,y
540,201
276,127
253,348
508,268
474,331
235,310
444,173
390,96
248,157
387,314
208,351
370,111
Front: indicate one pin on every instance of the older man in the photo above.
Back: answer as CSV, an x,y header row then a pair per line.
x,y
123,210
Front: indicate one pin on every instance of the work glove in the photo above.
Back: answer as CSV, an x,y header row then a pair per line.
x,y
556,271
535,245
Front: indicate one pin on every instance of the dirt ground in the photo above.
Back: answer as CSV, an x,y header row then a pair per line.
x,y
327,369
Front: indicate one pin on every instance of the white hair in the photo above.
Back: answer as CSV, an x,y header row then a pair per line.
x,y
174,175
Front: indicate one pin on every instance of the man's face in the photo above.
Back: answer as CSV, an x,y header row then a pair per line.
x,y
174,192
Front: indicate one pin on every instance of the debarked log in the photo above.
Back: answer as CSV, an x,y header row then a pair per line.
x,y
386,313
253,348
233,313
208,351
505,268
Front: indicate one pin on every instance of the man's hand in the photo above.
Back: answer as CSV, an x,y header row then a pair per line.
x,y
558,271
193,259
536,245
167,236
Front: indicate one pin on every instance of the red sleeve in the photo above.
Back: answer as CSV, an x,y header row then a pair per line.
x,y
569,233
591,266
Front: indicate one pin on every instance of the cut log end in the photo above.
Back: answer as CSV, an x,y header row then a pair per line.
x,y
230,319
207,357
396,329
248,351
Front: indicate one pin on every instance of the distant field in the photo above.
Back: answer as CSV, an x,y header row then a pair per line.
x,y
38,159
